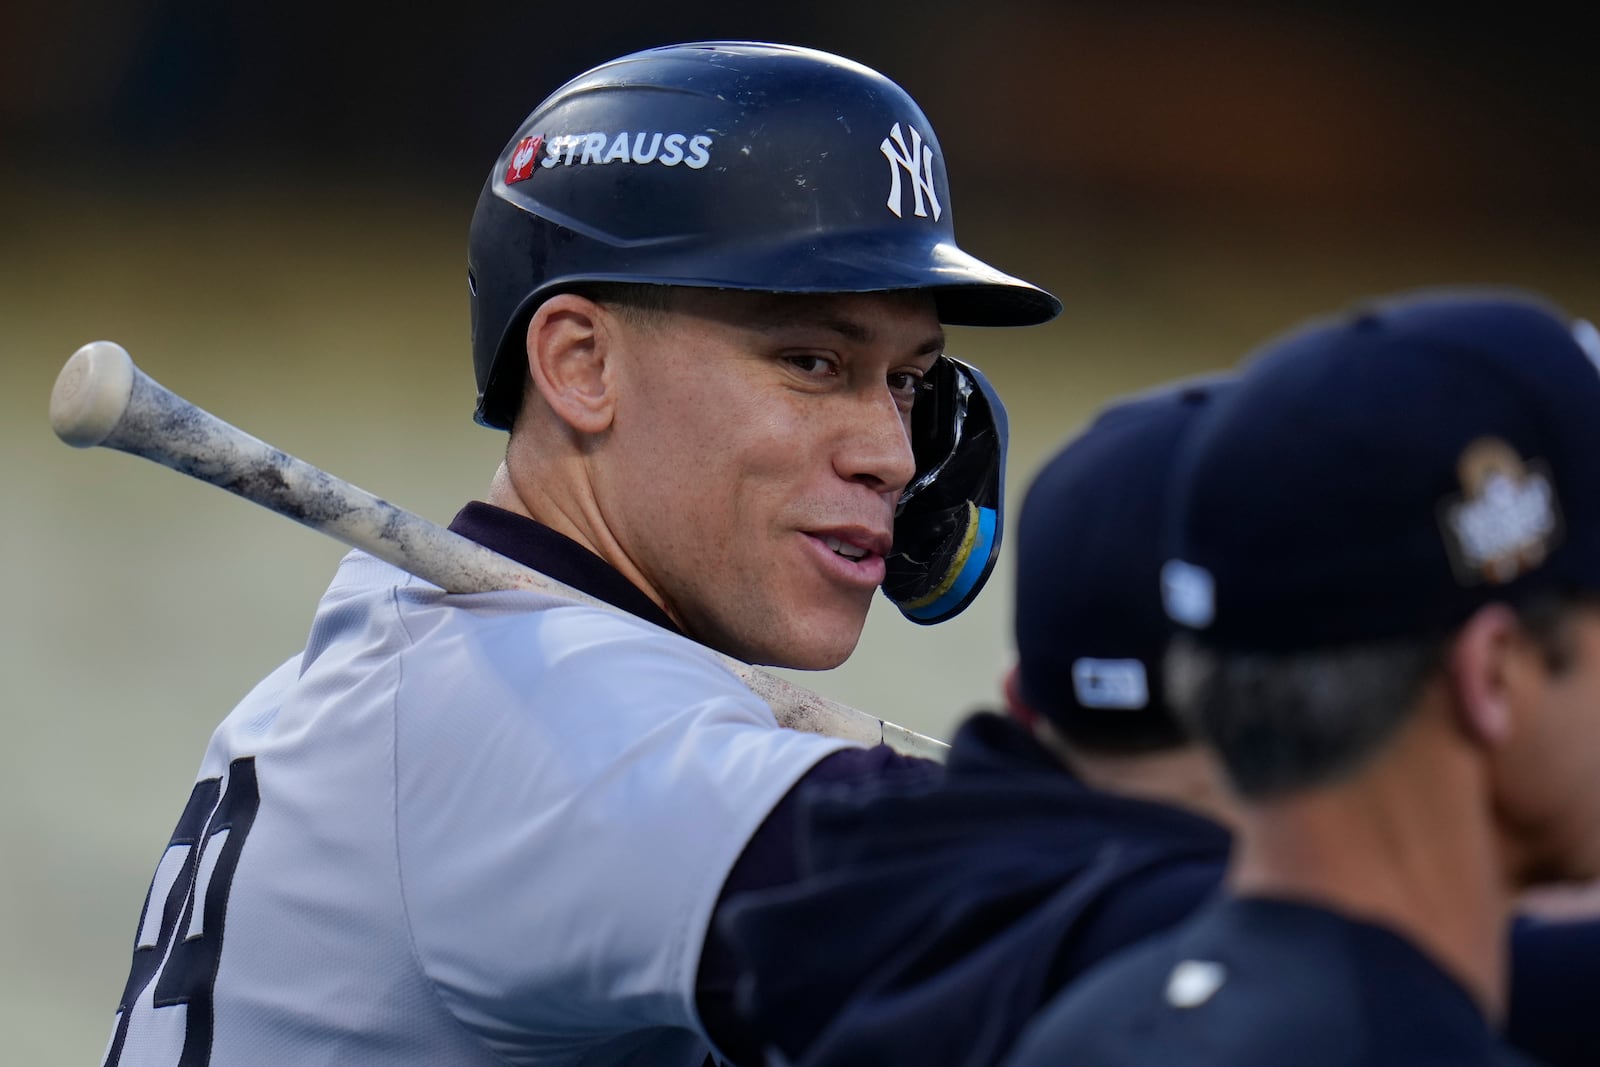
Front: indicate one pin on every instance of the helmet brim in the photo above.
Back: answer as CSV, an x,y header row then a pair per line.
x,y
966,290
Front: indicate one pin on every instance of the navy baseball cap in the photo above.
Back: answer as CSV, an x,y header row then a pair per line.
x,y
1088,623
1385,472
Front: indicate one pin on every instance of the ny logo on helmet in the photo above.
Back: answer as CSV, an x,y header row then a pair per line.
x,y
918,163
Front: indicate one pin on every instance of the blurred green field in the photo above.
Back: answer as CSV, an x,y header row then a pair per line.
x,y
334,325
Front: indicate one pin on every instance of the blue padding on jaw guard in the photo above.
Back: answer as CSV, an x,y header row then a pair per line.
x,y
973,569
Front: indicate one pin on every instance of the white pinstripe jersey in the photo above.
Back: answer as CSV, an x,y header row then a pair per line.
x,y
480,829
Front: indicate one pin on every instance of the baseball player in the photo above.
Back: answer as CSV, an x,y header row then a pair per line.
x,y
707,286
1385,555
1079,823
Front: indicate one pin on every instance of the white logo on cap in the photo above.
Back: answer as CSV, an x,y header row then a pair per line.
x,y
1188,593
1506,520
1110,683
1193,982
917,161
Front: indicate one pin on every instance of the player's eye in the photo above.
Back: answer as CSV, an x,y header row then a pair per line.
x,y
812,364
905,384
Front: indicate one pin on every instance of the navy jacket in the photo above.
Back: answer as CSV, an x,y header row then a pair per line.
x,y
937,912
1262,983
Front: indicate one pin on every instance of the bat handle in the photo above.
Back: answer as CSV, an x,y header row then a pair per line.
x,y
91,393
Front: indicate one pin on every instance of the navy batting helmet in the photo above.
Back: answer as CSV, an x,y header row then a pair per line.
x,y
731,165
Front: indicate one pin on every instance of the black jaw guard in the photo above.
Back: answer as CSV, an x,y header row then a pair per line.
x,y
947,528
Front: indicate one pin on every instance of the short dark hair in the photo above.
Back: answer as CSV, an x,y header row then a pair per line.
x,y
1282,722
637,300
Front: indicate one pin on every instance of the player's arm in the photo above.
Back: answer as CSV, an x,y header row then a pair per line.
x,y
771,858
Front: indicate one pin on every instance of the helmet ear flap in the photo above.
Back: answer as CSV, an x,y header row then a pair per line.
x,y
948,527
503,378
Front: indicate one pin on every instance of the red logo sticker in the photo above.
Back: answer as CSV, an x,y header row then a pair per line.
x,y
524,159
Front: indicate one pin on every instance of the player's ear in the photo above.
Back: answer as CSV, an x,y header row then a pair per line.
x,y
1016,706
1487,670
569,361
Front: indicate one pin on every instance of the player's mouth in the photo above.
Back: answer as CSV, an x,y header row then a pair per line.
x,y
844,548
853,555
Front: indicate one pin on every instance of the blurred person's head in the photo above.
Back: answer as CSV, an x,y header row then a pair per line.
x,y
1088,623
1385,557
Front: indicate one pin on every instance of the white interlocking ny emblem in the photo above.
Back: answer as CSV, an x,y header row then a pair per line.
x,y
916,160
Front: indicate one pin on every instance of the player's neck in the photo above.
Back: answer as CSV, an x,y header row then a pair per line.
x,y
1184,777
540,496
1407,843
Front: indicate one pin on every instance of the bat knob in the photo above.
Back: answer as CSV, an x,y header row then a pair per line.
x,y
91,393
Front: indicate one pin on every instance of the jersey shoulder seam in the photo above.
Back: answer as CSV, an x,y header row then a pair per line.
x,y
394,836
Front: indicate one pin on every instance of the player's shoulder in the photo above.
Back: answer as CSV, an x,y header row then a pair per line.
x,y
574,678
504,637
522,639
254,715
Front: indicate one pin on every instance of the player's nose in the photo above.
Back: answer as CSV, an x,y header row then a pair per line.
x,y
875,444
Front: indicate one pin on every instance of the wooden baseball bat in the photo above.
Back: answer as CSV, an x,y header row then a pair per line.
x,y
102,398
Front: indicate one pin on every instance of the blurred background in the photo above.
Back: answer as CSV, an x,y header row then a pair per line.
x,y
267,204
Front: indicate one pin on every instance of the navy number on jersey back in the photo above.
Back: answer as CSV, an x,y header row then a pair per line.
x,y
165,1016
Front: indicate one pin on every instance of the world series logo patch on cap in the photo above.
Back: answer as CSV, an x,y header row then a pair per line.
x,y
1506,519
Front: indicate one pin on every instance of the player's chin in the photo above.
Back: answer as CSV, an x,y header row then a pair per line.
x,y
819,636
1559,854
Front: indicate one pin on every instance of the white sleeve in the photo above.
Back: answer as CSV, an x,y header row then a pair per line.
x,y
572,789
